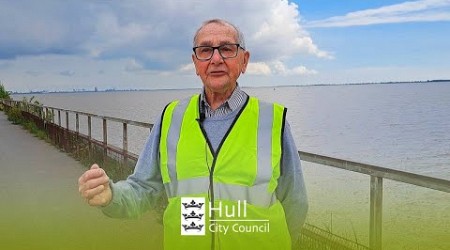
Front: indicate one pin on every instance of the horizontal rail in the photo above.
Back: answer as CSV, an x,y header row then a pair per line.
x,y
115,119
111,148
376,171
43,112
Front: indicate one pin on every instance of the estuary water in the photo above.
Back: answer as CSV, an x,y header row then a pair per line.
x,y
400,126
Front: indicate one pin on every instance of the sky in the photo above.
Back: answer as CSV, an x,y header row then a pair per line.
x,y
147,44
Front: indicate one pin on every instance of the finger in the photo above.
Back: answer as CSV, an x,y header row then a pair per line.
x,y
91,193
88,174
93,183
98,200
91,174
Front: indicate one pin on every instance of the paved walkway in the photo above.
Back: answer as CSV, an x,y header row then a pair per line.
x,y
40,207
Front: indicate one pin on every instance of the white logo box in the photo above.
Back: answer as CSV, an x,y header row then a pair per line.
x,y
193,215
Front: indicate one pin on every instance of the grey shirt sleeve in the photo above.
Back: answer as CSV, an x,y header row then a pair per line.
x,y
141,190
291,189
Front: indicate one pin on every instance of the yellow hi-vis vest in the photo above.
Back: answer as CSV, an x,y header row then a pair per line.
x,y
237,182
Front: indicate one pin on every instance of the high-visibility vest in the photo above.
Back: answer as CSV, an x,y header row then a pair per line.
x,y
240,177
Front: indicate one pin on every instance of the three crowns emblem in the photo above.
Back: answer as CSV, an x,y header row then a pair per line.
x,y
193,204
192,226
192,216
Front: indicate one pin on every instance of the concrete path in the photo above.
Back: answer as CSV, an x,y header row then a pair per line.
x,y
40,207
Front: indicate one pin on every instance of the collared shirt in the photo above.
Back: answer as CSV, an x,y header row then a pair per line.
x,y
235,101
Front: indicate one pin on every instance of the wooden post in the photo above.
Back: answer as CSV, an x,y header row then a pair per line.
x,y
376,211
125,145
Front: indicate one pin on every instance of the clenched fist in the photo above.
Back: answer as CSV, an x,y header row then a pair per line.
x,y
93,185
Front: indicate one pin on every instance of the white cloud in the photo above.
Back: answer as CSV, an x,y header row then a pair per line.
x,y
187,68
302,70
132,66
415,11
277,68
280,68
67,73
258,68
277,33
157,33
75,44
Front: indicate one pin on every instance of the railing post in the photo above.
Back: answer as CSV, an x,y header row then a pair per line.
x,y
125,145
67,120
41,112
53,127
77,126
105,141
59,129
376,211
46,122
67,134
90,136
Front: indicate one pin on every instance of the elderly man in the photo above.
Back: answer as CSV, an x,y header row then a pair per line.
x,y
227,162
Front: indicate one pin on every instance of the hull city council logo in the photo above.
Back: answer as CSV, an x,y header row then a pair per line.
x,y
192,216
231,219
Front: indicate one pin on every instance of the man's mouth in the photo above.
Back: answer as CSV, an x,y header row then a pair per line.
x,y
217,73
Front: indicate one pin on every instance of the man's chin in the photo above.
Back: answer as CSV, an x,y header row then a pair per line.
x,y
220,86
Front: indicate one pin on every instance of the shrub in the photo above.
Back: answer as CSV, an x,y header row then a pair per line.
x,y
15,115
3,93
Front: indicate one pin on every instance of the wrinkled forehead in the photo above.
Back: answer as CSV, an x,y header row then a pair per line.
x,y
215,34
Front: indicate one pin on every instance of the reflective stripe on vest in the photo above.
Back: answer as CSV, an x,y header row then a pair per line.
x,y
259,182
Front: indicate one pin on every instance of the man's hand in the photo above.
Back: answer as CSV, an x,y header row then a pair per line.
x,y
93,185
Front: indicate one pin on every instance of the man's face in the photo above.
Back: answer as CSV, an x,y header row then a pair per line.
x,y
219,75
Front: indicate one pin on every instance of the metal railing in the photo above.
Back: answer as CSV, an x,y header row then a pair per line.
x,y
49,114
376,173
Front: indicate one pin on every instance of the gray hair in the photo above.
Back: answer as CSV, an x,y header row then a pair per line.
x,y
240,36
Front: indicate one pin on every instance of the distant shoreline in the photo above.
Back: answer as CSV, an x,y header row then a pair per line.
x,y
269,86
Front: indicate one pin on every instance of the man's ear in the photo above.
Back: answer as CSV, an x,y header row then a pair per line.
x,y
193,61
245,61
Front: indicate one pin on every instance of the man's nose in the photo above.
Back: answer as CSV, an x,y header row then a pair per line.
x,y
216,57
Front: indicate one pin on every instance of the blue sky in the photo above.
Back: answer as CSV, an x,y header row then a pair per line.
x,y
65,45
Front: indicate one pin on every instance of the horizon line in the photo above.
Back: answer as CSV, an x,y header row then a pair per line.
x,y
268,86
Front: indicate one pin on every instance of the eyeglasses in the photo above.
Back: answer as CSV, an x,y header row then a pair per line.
x,y
205,53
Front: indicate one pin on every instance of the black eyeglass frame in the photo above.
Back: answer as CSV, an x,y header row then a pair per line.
x,y
218,49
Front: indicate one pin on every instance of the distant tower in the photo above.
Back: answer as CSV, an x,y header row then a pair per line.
x,y
95,89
